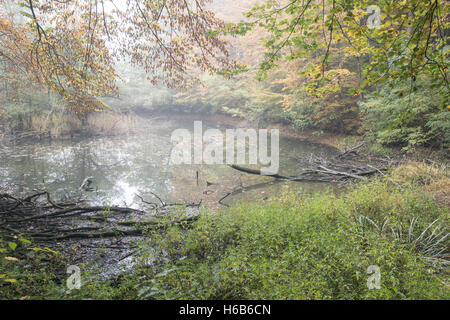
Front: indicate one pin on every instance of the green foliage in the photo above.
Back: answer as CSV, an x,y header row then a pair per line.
x,y
22,268
408,114
400,46
305,248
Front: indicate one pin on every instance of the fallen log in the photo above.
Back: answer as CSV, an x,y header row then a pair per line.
x,y
257,172
276,176
320,173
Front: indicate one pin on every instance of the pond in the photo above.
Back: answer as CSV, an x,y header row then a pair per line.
x,y
124,166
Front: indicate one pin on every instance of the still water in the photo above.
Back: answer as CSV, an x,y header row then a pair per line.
x,y
127,165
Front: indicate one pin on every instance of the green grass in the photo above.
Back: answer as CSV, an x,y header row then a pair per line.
x,y
296,247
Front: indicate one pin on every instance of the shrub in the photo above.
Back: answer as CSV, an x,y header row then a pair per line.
x,y
408,115
306,248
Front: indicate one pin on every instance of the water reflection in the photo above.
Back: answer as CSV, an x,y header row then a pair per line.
x,y
124,166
